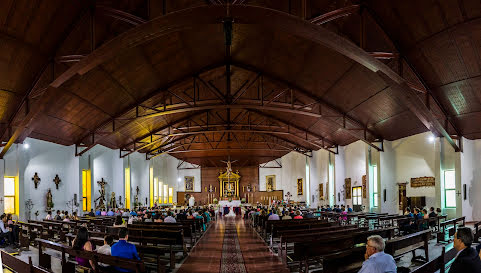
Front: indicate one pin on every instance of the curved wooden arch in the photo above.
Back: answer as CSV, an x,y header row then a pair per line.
x,y
207,15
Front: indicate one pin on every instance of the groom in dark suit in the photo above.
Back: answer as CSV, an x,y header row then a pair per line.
x,y
467,259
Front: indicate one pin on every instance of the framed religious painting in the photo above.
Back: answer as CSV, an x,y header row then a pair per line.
x,y
270,183
189,183
300,190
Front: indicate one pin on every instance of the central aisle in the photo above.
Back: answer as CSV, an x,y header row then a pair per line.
x,y
229,246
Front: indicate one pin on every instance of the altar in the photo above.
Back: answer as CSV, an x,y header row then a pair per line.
x,y
233,203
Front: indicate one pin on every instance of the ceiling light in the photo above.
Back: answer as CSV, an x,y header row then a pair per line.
x,y
178,179
431,138
26,146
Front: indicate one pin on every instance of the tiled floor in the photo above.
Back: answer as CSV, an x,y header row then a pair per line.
x,y
206,256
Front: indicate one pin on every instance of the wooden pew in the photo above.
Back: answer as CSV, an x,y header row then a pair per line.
x,y
155,248
441,235
18,266
305,252
68,267
477,231
359,236
28,233
409,243
433,266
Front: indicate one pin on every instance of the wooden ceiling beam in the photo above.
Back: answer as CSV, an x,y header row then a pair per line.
x,y
132,107
26,125
358,135
152,142
414,103
335,14
119,15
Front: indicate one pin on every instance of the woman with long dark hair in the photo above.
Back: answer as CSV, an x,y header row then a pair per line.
x,y
81,242
119,222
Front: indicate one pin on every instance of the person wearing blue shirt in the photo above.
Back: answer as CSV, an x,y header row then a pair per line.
x,y
376,260
97,213
123,249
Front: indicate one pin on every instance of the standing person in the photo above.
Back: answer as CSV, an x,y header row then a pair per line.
x,y
124,249
82,242
376,260
467,259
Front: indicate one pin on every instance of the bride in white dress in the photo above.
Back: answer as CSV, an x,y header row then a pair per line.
x,y
231,213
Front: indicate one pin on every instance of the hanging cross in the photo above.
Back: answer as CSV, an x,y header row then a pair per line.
x,y
36,180
288,196
458,193
1,200
57,180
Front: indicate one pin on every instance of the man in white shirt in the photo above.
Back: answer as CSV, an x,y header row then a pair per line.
x,y
274,216
105,249
376,260
169,218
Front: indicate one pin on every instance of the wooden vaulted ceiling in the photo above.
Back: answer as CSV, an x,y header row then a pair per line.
x,y
161,77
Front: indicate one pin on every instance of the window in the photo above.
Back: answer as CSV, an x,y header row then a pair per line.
x,y
450,188
375,186
10,193
356,196
171,194
127,188
151,181
156,190
86,190
161,193
330,190
166,193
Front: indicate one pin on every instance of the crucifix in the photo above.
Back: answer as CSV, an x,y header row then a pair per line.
x,y
36,180
57,181
288,196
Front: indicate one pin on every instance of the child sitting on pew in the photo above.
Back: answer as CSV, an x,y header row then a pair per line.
x,y
105,249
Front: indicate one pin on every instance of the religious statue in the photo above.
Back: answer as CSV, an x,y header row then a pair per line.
x,y
101,198
49,200
136,197
112,203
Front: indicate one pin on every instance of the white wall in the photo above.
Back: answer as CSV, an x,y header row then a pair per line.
x,y
355,167
165,169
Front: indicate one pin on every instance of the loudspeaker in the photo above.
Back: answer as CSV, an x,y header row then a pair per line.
x,y
339,196
465,191
385,195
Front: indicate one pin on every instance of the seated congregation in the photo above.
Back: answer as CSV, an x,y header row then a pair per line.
x,y
143,240
339,240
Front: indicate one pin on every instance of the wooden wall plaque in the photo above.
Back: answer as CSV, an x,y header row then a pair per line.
x,y
426,181
347,183
364,187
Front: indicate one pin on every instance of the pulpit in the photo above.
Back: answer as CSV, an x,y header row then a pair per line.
x,y
229,185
